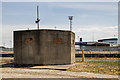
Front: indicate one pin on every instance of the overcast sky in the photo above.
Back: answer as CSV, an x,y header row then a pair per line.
x,y
89,18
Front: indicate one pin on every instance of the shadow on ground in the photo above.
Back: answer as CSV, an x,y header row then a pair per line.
x,y
12,65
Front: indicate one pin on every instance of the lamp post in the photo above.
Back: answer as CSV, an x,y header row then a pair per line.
x,y
70,18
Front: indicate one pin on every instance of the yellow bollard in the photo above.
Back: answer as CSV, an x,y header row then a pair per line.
x,y
90,51
83,57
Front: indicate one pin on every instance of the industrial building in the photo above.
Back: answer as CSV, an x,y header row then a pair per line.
x,y
44,47
93,46
109,44
111,41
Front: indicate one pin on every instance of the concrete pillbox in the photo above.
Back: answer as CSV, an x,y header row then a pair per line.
x,y
44,47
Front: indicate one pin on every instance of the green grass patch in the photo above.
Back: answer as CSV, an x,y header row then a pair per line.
x,y
108,63
104,67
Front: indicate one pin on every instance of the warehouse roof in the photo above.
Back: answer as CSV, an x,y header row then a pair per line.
x,y
92,43
107,39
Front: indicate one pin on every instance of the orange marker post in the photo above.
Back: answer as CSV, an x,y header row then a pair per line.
x,y
90,51
83,57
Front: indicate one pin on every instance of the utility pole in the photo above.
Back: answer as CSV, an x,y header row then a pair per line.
x,y
10,46
114,36
3,44
93,36
38,20
55,27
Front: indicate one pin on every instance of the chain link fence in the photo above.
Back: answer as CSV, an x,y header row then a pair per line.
x,y
98,51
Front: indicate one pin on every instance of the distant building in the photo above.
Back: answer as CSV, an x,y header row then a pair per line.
x,y
94,46
2,48
111,41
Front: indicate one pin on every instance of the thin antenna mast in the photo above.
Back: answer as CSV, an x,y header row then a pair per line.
x,y
93,36
37,21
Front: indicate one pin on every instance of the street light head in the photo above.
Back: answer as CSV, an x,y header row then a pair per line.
x,y
70,17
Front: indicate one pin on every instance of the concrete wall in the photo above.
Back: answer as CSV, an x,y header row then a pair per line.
x,y
44,47
72,47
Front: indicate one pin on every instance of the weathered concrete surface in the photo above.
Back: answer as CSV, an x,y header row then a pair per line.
x,y
54,67
44,47
44,73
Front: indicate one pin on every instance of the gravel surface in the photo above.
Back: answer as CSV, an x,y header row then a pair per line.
x,y
30,73
11,72
46,73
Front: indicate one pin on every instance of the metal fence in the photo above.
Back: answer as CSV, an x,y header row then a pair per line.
x,y
96,48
